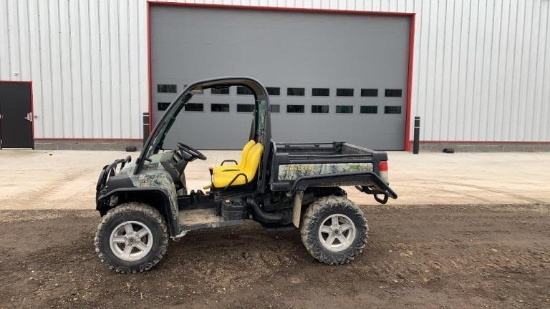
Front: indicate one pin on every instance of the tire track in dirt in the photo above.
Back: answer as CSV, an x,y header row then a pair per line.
x,y
483,188
473,196
506,193
41,193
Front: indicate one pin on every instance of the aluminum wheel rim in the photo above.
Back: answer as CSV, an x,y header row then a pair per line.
x,y
337,232
131,241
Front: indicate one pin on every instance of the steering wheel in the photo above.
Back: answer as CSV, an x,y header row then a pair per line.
x,y
192,151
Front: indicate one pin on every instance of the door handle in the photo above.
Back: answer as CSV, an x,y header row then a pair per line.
x,y
1,116
29,116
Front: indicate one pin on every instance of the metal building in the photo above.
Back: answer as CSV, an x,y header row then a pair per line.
x,y
79,74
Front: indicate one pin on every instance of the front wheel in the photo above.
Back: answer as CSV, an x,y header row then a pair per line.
x,y
334,230
131,238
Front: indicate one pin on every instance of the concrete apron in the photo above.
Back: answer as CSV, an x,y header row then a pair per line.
x,y
38,179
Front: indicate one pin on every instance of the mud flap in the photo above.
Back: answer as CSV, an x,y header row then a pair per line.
x,y
297,210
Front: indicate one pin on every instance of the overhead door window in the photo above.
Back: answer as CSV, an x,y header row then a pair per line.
x,y
392,109
217,107
245,108
162,106
167,88
224,90
275,108
319,109
273,90
295,109
369,109
244,91
369,92
344,109
344,92
393,93
320,92
295,92
194,107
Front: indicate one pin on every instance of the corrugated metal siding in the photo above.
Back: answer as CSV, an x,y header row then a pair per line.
x,y
481,67
87,61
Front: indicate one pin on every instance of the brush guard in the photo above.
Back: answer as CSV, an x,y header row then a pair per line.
x,y
108,171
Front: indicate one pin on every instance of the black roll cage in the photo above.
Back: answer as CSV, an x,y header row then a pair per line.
x,y
260,129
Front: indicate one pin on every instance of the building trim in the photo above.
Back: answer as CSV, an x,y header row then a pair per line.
x,y
76,139
410,84
485,142
149,68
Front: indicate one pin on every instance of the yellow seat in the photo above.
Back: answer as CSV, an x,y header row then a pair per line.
x,y
241,165
223,179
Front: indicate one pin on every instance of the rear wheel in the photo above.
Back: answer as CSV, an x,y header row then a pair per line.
x,y
334,230
131,238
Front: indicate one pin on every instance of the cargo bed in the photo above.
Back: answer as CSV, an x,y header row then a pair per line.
x,y
297,166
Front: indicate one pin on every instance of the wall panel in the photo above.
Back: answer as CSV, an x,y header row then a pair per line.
x,y
481,67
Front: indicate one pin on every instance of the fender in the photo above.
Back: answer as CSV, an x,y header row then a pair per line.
x,y
342,179
156,197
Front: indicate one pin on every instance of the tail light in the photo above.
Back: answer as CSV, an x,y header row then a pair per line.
x,y
383,169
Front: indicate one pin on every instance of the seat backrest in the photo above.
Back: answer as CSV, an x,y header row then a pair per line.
x,y
246,150
253,161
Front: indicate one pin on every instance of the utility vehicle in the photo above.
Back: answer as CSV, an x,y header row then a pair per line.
x,y
278,185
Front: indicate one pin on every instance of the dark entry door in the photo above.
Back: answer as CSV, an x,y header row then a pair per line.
x,y
15,115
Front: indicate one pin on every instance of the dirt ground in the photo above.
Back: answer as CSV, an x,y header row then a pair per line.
x,y
444,256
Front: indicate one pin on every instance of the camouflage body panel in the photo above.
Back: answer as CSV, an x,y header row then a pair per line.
x,y
295,171
154,176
